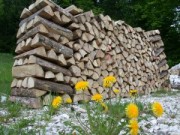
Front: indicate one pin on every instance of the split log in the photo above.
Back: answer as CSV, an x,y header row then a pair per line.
x,y
14,83
30,102
89,28
73,26
49,86
19,83
65,19
86,37
73,10
65,97
163,74
155,38
53,27
27,70
40,40
57,18
76,71
162,63
81,97
45,12
47,99
27,92
38,29
29,25
37,51
24,82
77,34
71,61
62,60
51,54
60,77
158,51
25,13
63,40
48,65
49,75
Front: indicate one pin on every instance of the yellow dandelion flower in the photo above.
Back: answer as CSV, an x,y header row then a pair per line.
x,y
108,81
68,100
132,111
133,93
82,85
105,107
134,127
116,91
97,97
157,109
56,102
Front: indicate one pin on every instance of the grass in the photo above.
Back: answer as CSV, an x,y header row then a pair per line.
x,y
163,93
6,62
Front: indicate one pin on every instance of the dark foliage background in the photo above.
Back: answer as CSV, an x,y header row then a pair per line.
x,y
148,14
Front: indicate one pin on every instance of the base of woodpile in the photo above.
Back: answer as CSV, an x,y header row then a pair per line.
x,y
56,48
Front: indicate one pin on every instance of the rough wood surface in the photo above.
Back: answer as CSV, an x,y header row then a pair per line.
x,y
49,86
40,40
27,70
27,92
48,65
25,13
27,101
73,10
38,29
40,51
45,12
49,75
54,27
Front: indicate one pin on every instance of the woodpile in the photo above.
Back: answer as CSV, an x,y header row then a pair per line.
x,y
58,47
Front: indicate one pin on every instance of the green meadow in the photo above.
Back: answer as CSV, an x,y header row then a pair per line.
x,y
6,62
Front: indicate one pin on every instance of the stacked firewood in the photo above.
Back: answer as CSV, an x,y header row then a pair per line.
x,y
58,47
160,58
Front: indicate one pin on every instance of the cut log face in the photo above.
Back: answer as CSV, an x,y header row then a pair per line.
x,y
39,29
49,75
37,51
27,70
45,12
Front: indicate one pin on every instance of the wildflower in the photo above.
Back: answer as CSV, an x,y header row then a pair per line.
x,y
108,81
116,91
105,107
82,85
133,93
69,100
157,109
133,125
97,97
132,111
56,102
